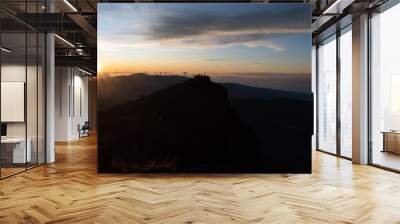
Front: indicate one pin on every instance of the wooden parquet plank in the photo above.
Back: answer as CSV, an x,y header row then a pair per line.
x,y
71,191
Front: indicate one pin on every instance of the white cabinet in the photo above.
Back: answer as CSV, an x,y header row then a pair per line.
x,y
19,154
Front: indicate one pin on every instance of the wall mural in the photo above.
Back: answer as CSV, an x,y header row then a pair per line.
x,y
201,88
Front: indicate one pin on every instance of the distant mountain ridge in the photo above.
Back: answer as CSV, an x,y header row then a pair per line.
x,y
121,89
299,83
243,91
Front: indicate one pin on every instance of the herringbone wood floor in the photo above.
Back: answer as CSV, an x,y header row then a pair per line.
x,y
70,191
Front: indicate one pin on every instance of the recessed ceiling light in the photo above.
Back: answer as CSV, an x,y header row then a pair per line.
x,y
337,7
70,5
84,71
5,50
64,40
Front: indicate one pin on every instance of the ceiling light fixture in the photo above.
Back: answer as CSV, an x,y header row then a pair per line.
x,y
79,51
329,9
70,5
64,40
84,71
337,7
5,50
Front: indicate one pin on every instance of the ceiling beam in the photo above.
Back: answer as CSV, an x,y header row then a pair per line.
x,y
86,26
81,61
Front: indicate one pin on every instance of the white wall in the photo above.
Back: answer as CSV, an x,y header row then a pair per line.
x,y
12,73
80,94
33,126
62,82
71,87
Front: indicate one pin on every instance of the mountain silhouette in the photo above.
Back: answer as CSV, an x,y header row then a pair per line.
x,y
121,89
187,127
196,125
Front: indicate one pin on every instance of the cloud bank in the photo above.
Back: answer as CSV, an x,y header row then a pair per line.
x,y
200,27
214,29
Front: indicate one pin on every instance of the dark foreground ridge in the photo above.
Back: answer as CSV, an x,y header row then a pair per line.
x,y
193,126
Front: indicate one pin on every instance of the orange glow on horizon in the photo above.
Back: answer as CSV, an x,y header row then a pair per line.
x,y
192,67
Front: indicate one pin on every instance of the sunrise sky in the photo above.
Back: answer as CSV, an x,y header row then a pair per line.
x,y
204,38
